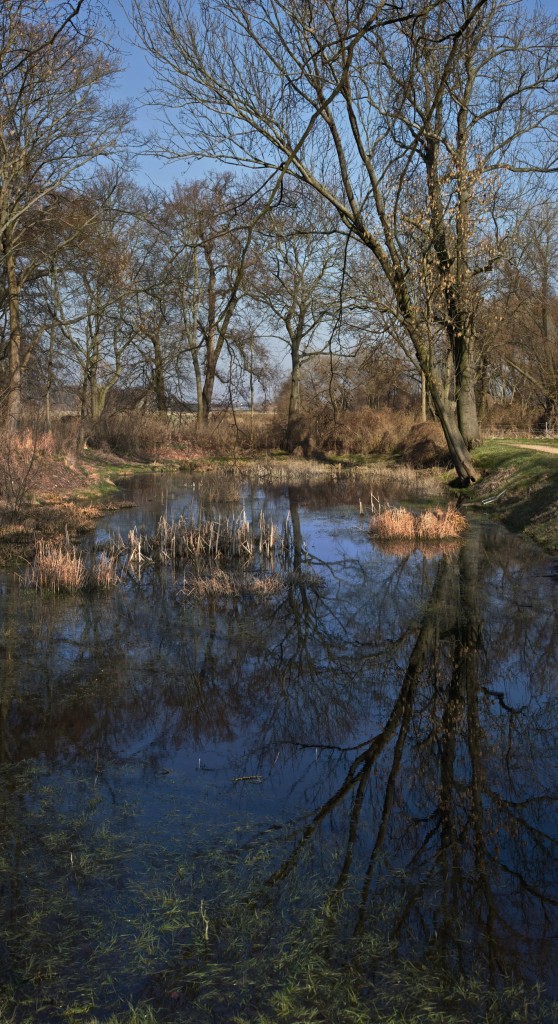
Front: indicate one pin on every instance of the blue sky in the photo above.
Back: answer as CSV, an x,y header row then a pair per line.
x,y
132,85
136,78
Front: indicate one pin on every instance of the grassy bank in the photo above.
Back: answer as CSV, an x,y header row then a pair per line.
x,y
520,487
64,496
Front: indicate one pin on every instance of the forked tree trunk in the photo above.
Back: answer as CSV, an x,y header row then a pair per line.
x,y
458,450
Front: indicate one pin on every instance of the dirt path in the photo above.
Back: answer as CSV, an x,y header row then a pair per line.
x,y
533,447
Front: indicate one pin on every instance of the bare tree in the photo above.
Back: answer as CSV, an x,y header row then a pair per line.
x,y
523,320
53,124
94,283
299,283
338,95
209,227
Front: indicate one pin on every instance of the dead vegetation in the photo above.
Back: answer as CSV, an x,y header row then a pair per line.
x,y
230,539
215,548
56,568
61,568
430,525
219,583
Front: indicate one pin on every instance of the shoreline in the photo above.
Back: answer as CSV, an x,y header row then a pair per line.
x,y
519,488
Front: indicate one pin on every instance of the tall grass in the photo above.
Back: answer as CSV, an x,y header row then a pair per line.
x,y
232,539
433,524
56,567
60,568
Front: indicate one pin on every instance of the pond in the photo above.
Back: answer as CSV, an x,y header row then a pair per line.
x,y
336,802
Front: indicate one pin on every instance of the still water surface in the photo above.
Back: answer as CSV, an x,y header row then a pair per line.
x,y
192,790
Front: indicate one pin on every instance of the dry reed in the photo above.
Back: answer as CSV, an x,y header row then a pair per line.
x,y
220,583
60,568
232,539
433,524
104,573
56,567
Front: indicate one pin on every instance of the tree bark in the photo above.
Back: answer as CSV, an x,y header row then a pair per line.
x,y
13,408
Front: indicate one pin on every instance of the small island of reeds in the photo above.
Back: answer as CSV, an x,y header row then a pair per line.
x,y
430,525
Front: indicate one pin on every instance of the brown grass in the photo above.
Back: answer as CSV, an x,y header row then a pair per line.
x,y
219,583
434,524
56,568
60,568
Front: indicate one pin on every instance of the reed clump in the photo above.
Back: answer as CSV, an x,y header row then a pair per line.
x,y
431,525
56,567
60,568
232,539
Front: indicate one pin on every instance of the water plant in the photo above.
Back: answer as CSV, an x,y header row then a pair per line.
x,y
231,539
432,524
56,567
61,568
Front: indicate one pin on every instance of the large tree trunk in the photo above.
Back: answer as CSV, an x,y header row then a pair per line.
x,y
13,409
294,400
465,380
458,450
443,406
158,375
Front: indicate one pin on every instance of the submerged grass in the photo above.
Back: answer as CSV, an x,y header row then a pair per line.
x,y
204,937
219,583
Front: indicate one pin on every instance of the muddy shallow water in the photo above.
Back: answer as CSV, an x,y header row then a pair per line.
x,y
193,791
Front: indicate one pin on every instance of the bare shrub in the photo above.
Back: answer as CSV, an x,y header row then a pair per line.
x,y
433,524
65,432
21,454
134,433
230,433
424,446
509,417
150,435
368,431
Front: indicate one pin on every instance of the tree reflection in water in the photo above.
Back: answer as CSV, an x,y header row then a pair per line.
x,y
448,808
400,712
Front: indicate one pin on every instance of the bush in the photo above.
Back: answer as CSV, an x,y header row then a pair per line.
x,y
424,446
355,432
509,417
21,455
139,434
